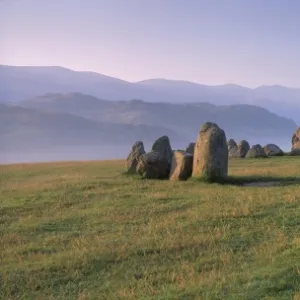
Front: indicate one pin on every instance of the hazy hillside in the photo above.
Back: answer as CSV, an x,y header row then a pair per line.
x,y
24,130
239,121
278,99
20,83
70,118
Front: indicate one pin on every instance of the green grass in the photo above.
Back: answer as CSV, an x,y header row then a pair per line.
x,y
86,231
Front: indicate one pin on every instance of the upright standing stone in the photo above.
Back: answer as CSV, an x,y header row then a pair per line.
x,y
133,158
232,148
211,153
162,145
182,165
243,148
296,142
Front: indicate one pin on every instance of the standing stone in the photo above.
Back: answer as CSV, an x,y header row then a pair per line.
x,y
182,165
296,143
273,150
132,160
256,151
232,148
190,148
243,148
211,153
162,145
153,165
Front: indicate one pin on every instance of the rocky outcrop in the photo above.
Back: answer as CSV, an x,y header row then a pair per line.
x,y
273,150
182,165
211,153
153,165
256,151
133,158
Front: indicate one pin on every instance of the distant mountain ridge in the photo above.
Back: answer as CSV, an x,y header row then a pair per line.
x,y
239,121
20,83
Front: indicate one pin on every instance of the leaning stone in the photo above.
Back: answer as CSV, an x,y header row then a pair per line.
x,y
132,160
182,165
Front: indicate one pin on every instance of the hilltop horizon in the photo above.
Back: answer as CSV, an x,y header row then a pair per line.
x,y
209,42
153,79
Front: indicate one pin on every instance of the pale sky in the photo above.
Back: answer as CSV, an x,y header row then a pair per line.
x,y
247,42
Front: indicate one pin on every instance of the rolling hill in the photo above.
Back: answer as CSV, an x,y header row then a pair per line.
x,y
20,83
239,121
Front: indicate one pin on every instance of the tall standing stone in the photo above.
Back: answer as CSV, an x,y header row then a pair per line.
x,y
211,153
133,158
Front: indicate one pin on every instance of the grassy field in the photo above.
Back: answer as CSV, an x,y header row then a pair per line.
x,y
83,230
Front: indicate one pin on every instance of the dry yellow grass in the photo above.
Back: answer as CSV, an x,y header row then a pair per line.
x,y
83,230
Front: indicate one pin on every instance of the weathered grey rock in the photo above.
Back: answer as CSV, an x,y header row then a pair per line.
x,y
256,151
162,145
133,158
190,148
153,165
211,153
243,148
182,166
231,144
232,148
273,150
296,142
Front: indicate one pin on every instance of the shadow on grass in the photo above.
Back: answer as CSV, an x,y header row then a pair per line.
x,y
139,177
130,175
254,181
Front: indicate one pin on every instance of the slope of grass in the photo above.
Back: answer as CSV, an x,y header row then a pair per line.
x,y
85,231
